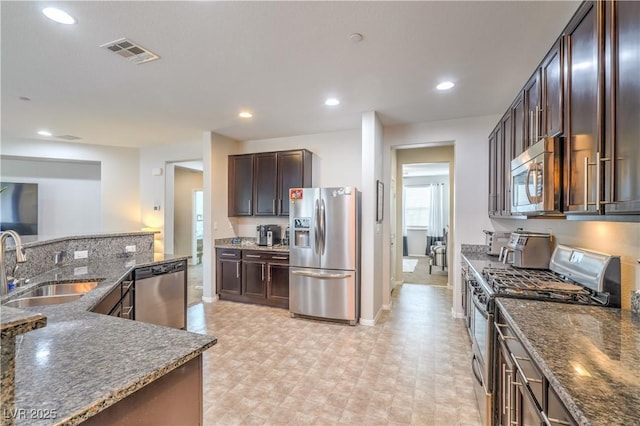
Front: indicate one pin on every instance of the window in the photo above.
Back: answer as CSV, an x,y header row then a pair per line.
x,y
417,200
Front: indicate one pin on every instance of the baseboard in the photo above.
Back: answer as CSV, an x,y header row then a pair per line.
x,y
456,315
387,307
210,299
373,322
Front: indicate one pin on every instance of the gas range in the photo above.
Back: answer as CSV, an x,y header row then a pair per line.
x,y
574,276
540,285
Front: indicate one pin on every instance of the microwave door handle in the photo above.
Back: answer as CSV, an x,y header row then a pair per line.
x,y
526,183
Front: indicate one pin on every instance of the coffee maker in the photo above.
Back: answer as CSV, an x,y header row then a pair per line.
x,y
268,235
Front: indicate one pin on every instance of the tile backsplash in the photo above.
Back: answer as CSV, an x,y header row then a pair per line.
x,y
40,255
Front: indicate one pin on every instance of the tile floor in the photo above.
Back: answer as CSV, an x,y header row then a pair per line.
x,y
411,368
421,275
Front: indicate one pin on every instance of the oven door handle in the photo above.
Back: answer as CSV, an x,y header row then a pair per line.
x,y
474,362
480,308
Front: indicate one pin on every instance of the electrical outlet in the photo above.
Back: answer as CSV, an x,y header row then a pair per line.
x,y
81,254
130,249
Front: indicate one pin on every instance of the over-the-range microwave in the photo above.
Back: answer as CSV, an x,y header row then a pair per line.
x,y
536,187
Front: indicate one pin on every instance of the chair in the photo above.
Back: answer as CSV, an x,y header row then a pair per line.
x,y
438,252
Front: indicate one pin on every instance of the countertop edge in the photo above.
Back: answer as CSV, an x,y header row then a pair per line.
x,y
578,415
101,405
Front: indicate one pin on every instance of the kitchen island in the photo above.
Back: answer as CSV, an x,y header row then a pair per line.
x,y
83,365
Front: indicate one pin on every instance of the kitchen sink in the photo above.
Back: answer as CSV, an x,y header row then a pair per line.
x,y
64,288
26,302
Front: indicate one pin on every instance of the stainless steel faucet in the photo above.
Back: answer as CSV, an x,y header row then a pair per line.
x,y
20,257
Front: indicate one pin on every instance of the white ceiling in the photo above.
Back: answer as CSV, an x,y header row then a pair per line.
x,y
279,60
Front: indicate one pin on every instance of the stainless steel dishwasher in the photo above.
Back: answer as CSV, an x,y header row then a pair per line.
x,y
161,294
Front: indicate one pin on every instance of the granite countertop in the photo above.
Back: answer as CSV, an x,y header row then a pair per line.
x,y
83,362
248,244
16,321
590,355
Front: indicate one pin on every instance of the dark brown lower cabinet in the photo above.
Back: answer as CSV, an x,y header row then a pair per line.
x,y
173,399
522,394
253,276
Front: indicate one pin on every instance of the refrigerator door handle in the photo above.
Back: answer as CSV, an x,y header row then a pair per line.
x,y
316,233
323,225
320,275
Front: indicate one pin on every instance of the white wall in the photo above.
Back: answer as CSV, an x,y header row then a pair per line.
x,y
215,149
469,136
371,290
158,190
69,194
120,179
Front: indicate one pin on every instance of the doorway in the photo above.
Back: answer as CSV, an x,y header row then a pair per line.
x,y
424,206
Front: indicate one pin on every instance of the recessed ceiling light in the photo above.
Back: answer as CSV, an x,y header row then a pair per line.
x,y
44,133
59,16
356,37
445,85
245,114
332,102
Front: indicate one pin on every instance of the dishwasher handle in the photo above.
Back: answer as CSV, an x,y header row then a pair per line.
x,y
162,269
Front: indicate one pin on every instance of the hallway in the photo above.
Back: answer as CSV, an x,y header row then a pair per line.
x,y
412,368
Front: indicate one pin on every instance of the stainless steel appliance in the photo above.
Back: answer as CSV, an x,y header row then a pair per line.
x,y
262,235
495,241
530,250
324,274
574,276
535,179
161,294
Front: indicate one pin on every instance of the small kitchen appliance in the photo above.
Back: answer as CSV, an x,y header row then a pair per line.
x,y
263,232
530,250
495,241
536,188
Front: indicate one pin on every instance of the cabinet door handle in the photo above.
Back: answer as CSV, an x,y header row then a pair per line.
x,y
249,205
256,256
273,206
237,269
527,380
127,314
263,272
597,202
269,272
280,258
229,254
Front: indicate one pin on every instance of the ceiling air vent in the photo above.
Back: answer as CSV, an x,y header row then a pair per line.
x,y
131,51
68,137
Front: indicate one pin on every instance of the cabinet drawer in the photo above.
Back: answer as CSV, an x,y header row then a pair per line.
x,y
229,253
265,256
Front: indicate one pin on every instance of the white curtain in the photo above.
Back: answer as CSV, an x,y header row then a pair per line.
x,y
437,219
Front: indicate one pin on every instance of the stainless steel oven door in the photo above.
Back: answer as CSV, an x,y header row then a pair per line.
x,y
481,363
482,335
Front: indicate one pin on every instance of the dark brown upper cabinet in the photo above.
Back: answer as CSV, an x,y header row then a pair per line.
x,y
584,129
263,190
240,185
532,110
493,173
507,152
551,91
294,171
621,162
519,125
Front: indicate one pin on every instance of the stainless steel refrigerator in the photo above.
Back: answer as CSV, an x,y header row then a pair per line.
x,y
324,274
